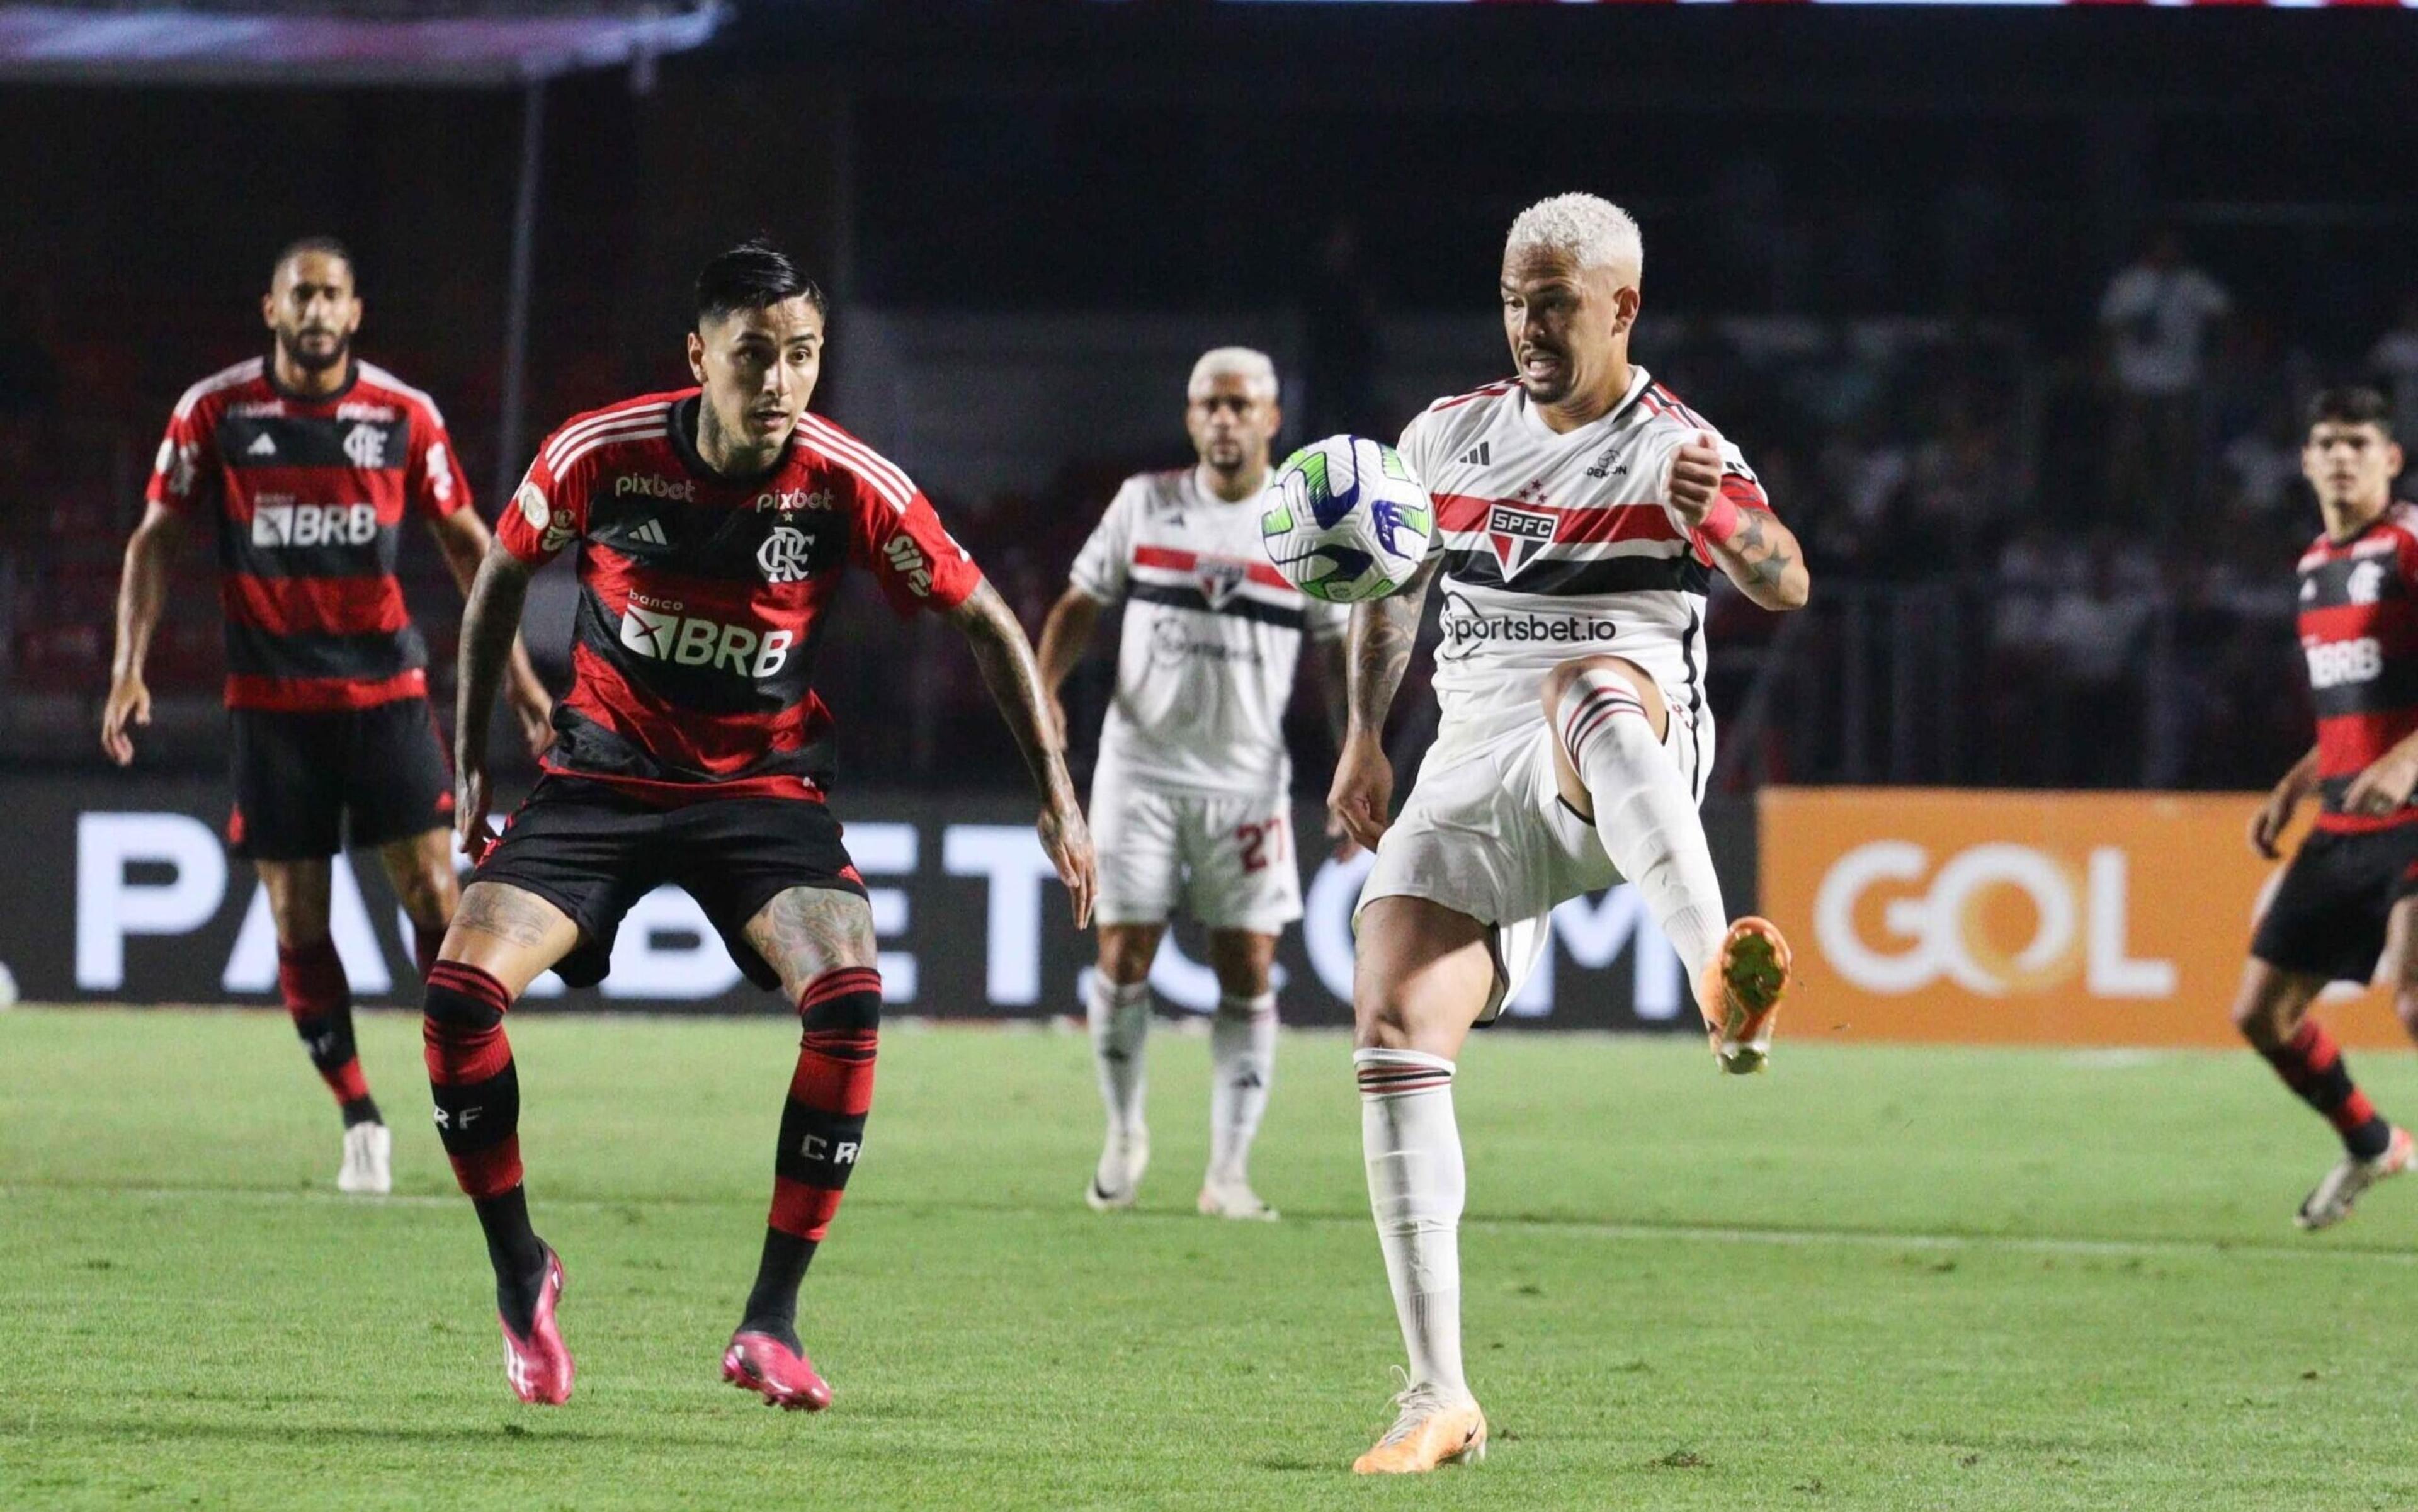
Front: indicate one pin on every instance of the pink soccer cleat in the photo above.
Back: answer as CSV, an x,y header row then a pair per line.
x,y
760,1363
538,1366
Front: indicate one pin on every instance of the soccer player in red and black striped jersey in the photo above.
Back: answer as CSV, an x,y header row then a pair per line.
x,y
714,525
2354,880
302,464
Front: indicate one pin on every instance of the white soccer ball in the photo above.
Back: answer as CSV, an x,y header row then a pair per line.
x,y
1345,520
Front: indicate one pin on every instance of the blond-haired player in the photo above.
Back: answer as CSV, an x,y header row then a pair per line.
x,y
1581,511
1190,799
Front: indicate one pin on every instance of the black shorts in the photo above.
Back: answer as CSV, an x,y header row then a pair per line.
x,y
308,784
593,852
2328,915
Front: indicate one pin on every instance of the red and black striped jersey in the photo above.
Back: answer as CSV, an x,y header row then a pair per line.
x,y
701,598
308,497
2359,631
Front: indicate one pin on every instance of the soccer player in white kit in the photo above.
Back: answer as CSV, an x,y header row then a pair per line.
x,y
1190,801
1581,510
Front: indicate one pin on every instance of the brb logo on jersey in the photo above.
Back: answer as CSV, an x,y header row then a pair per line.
x,y
665,634
2335,663
314,524
1517,534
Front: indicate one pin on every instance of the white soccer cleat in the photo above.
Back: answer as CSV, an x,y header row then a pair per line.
x,y
1117,1177
369,1161
1232,1197
2343,1187
1432,1428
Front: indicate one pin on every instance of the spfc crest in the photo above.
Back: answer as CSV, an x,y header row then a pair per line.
x,y
1218,577
1517,534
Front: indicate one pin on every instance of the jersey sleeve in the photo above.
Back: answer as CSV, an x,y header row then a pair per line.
x,y
547,512
908,551
184,474
1100,569
431,479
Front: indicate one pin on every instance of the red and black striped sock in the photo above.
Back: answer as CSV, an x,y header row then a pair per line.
x,y
478,1096
2312,1065
822,1130
310,979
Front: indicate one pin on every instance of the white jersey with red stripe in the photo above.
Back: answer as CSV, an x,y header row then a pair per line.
x,y
1212,633
1555,545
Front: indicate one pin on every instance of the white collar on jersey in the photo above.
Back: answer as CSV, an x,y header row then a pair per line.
x,y
1535,425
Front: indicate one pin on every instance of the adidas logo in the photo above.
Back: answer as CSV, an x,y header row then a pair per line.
x,y
263,447
651,533
1475,456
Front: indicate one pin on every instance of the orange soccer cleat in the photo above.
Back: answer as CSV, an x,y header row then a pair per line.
x,y
1433,1428
1741,993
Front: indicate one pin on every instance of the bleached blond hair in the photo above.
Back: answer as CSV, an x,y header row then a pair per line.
x,y
1586,228
1247,363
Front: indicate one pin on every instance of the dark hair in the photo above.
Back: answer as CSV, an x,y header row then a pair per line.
x,y
753,275
2351,406
326,246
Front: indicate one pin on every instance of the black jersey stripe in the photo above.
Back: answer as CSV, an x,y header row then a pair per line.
x,y
1288,617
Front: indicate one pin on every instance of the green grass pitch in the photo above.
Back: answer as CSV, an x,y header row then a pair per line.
x,y
1877,1277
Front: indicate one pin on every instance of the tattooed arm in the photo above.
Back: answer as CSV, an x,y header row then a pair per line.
x,y
491,623
1378,646
1761,557
1006,658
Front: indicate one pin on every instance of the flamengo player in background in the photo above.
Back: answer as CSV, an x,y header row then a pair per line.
x,y
1192,796
303,464
2354,879
1579,505
713,526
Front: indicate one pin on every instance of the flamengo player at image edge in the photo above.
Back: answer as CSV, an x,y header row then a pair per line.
x,y
1191,801
1579,508
2354,880
305,463
713,526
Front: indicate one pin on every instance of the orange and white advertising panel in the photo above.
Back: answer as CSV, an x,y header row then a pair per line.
x,y
2116,919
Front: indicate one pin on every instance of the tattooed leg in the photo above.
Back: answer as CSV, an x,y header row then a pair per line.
x,y
820,940
509,934
806,933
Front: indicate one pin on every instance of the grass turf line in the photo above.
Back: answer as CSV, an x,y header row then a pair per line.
x,y
1876,1279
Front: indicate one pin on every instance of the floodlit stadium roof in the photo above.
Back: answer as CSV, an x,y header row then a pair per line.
x,y
486,44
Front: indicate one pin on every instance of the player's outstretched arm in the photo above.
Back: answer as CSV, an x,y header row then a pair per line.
x,y
1008,669
1750,546
1378,649
464,538
2267,826
142,590
2386,783
1065,636
491,623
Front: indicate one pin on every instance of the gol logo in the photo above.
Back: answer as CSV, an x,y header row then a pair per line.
x,y
1942,931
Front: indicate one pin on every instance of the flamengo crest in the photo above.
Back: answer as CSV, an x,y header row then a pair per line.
x,y
782,555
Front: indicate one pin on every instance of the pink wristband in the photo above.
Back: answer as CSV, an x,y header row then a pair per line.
x,y
1721,521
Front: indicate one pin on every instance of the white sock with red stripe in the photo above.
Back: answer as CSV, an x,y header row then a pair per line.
x,y
1242,1062
1643,812
1120,1018
1417,1183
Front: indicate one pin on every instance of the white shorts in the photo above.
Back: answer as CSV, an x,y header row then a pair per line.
x,y
1489,835
1230,862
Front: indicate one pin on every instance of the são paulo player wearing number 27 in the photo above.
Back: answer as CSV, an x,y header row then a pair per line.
x,y
1193,788
713,526
1580,508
